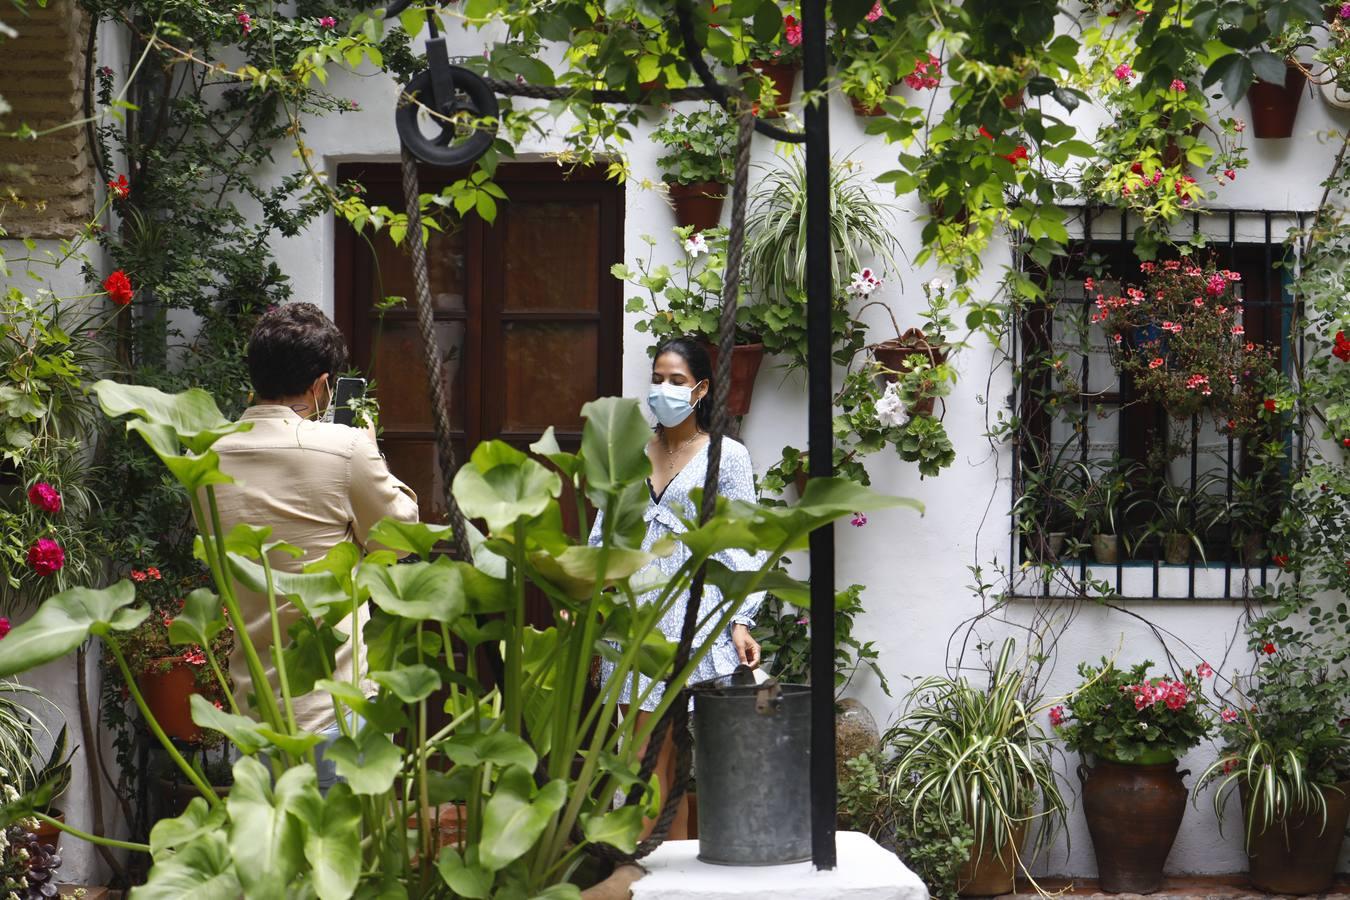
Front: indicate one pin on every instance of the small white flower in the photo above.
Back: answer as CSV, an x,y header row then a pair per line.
x,y
937,286
891,412
695,245
864,283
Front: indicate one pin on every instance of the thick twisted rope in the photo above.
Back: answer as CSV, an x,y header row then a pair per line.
x,y
440,405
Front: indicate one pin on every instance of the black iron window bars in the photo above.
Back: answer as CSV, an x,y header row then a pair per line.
x,y
1074,413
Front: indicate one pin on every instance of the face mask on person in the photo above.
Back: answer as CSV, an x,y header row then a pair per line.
x,y
670,403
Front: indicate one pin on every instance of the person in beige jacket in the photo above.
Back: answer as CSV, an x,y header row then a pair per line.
x,y
314,483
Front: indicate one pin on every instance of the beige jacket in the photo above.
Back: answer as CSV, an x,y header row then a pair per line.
x,y
315,484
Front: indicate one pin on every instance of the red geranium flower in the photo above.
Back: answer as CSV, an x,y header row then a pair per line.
x,y
1342,349
1280,560
119,289
1018,155
46,557
1268,649
119,187
45,497
1270,405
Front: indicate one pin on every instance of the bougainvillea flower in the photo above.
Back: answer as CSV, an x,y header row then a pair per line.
x,y
119,289
45,497
46,557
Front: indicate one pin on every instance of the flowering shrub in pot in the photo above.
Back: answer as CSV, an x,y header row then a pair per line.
x,y
773,58
697,163
867,76
1133,726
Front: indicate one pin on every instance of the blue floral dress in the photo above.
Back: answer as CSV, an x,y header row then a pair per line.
x,y
665,516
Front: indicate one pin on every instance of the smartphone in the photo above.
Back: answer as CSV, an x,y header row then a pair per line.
x,y
347,390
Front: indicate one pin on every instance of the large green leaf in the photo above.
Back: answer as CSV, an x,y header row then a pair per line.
x,y
341,561
386,714
202,870
311,654
332,840
468,880
576,569
424,590
198,819
512,822
200,619
67,620
547,447
265,835
411,683
613,446
736,585
501,748
192,415
318,594
242,731
410,537
619,828
501,485
370,763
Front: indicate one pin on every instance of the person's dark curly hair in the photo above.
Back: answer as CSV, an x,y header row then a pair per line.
x,y
292,345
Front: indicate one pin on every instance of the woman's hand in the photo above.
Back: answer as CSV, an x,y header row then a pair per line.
x,y
747,648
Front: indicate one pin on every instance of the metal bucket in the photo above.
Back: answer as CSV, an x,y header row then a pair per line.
x,y
752,762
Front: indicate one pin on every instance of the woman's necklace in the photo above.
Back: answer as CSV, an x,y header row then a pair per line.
x,y
671,451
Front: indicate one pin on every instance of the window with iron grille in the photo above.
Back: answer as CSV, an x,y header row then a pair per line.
x,y
1187,500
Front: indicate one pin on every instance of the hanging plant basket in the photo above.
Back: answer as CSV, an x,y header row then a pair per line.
x,y
1275,106
783,76
745,362
168,687
865,110
699,204
896,353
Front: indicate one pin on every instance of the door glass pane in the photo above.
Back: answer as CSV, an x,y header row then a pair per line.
x,y
414,463
549,371
552,257
392,276
401,377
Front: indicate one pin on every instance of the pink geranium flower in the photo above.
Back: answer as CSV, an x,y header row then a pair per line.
x,y
45,497
46,557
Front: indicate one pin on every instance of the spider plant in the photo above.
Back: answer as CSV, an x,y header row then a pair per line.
x,y
978,756
17,747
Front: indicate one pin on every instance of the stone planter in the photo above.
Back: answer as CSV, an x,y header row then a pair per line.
x,y
1275,106
1133,814
1298,855
698,204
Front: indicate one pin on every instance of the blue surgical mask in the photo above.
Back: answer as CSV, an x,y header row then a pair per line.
x,y
670,403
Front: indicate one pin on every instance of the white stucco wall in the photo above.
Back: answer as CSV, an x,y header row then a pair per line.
x,y
915,569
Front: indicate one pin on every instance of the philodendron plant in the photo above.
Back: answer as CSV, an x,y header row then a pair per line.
x,y
525,766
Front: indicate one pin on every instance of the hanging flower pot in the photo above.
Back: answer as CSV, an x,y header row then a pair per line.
x,y
866,110
783,77
1133,813
1015,100
745,362
1275,106
699,204
168,685
1298,854
896,353
991,870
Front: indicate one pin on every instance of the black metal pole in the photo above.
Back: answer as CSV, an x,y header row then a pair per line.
x,y
820,391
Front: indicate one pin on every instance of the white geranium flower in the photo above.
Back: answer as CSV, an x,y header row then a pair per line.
x,y
695,245
864,283
937,286
891,412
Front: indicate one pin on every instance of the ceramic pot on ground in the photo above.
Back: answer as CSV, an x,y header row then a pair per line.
x,y
698,204
49,834
1298,855
1133,814
1106,549
1176,549
745,362
1275,106
167,688
783,76
989,872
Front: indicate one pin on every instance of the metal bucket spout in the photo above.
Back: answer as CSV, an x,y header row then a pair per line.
x,y
752,763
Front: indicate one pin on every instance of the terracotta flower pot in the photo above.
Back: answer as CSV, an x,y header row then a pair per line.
x,y
991,871
1298,855
1133,814
866,110
745,362
167,689
1106,549
895,354
698,204
1015,100
49,834
783,76
691,798
1275,106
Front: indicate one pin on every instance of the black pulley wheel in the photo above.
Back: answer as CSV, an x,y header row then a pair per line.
x,y
451,145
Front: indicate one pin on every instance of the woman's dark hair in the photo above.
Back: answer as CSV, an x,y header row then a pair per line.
x,y
695,356
292,345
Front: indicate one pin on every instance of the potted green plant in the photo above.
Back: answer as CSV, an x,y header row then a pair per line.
x,y
1104,487
976,754
1280,82
774,61
918,357
1286,750
697,163
1043,511
1180,518
53,779
1131,726
685,300
868,62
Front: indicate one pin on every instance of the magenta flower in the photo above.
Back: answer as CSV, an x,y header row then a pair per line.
x,y
245,21
1056,716
1178,85
4,626
858,520
328,22
46,557
875,12
45,497
1124,72
1344,12
792,31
